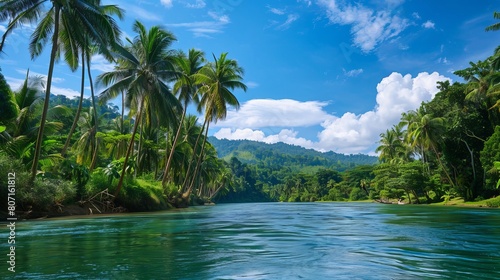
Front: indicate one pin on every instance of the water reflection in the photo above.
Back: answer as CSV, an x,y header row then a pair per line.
x,y
266,241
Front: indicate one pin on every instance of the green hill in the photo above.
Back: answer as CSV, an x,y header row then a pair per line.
x,y
291,156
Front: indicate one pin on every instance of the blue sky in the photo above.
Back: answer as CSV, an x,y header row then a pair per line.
x,y
322,74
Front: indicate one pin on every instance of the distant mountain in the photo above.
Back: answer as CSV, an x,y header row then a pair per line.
x,y
281,154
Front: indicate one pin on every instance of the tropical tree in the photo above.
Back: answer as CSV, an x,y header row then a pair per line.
x,y
87,17
427,132
495,26
217,80
392,148
186,90
144,68
7,103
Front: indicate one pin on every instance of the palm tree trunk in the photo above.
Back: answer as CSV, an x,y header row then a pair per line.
x,y
193,157
78,111
96,120
139,148
198,163
130,146
39,140
442,165
122,129
171,154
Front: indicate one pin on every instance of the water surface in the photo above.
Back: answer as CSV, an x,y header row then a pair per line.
x,y
264,241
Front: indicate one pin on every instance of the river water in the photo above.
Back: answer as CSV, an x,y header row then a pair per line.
x,y
264,241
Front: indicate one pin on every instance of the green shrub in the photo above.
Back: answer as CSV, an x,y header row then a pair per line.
x,y
140,195
494,202
97,183
357,194
46,193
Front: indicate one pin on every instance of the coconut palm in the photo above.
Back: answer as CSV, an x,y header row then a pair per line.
x,y
62,21
217,80
495,26
144,68
392,147
186,90
427,132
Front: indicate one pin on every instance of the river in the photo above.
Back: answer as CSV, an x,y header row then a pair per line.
x,y
264,241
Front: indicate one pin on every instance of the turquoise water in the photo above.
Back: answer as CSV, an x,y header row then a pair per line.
x,y
264,241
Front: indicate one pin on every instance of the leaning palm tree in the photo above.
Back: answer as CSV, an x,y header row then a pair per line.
x,y
144,68
186,89
218,79
63,17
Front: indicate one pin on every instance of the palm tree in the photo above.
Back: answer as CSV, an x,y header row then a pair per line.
x,y
217,79
392,147
495,26
87,17
143,69
186,89
427,132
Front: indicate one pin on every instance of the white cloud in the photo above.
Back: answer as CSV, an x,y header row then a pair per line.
x,y
428,24
139,12
101,64
349,133
16,84
258,113
276,11
198,5
2,28
55,80
285,135
167,3
353,73
290,19
368,27
308,2
251,84
205,28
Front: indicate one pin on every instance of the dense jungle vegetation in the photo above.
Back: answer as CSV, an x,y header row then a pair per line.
x,y
89,152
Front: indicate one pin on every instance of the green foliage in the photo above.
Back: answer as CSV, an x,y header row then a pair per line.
x,y
8,108
49,192
141,195
494,202
489,155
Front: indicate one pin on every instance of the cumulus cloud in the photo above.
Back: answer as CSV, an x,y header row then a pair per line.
x,y
349,133
368,27
428,24
258,113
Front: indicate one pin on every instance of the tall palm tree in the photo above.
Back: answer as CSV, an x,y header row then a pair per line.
x,y
186,90
143,70
427,132
62,18
217,80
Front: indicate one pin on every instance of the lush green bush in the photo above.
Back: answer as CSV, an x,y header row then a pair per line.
x,y
357,194
141,195
46,194
494,202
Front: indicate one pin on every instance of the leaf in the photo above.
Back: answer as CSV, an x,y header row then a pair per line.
x,y
2,128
